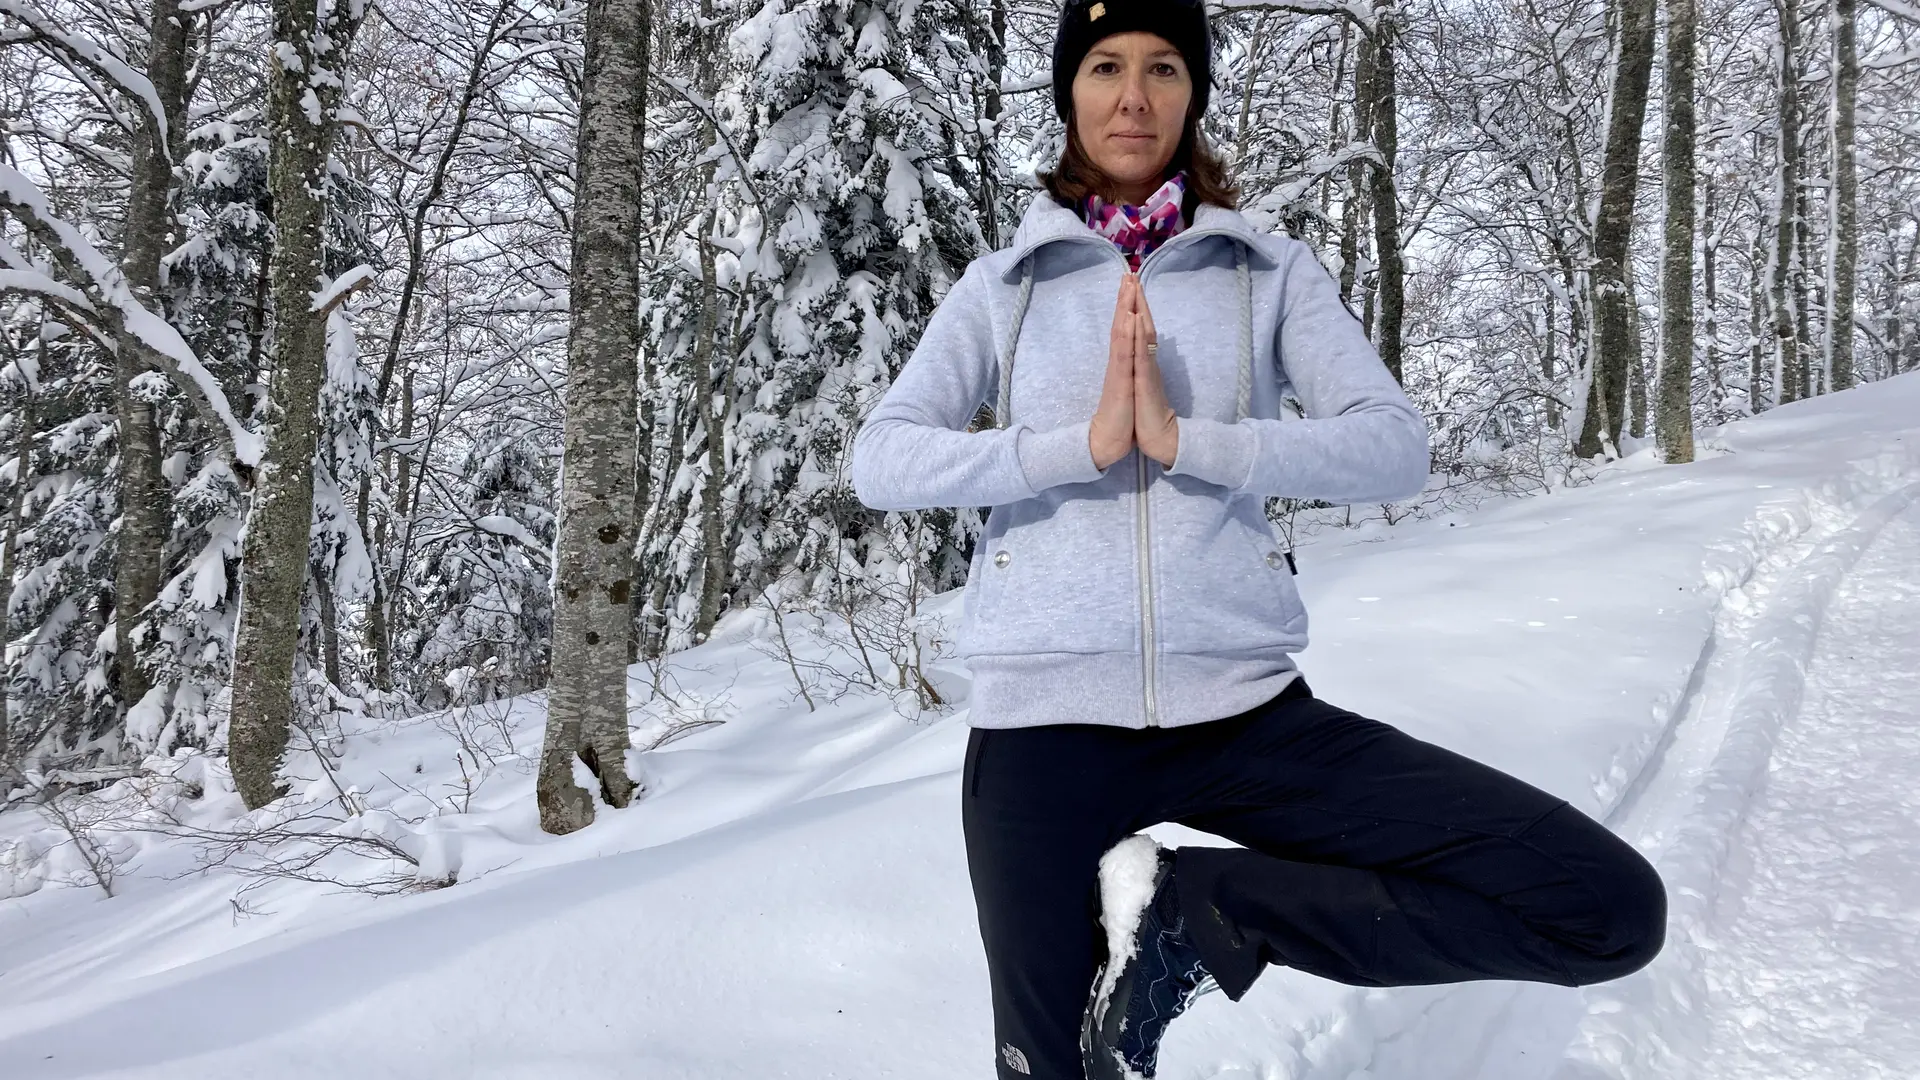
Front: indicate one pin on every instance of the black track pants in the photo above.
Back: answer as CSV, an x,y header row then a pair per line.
x,y
1370,857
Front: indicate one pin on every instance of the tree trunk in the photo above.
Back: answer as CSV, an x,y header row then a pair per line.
x,y
1903,348
1673,424
144,496
1356,204
593,556
1390,279
1843,243
273,557
1805,303
713,416
9,554
1551,340
643,403
667,525
1636,364
1620,178
329,624
1335,136
1757,352
1709,266
1787,181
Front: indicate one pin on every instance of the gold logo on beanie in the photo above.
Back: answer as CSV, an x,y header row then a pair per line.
x,y
1096,11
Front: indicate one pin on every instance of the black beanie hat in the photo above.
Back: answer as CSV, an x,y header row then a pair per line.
x,y
1082,22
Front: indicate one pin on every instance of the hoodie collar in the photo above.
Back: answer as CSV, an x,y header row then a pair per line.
x,y
1046,221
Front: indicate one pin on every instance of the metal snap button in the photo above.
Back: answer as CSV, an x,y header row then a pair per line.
x,y
1001,558
1275,560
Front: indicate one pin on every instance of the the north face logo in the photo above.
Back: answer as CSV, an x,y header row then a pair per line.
x,y
1016,1060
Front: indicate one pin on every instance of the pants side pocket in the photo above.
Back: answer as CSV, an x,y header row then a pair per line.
x,y
970,773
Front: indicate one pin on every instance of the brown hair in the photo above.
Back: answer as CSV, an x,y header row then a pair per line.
x,y
1208,181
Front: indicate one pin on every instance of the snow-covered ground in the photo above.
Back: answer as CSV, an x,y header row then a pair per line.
x,y
1720,660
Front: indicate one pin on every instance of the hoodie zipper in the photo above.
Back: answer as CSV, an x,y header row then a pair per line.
x,y
1149,655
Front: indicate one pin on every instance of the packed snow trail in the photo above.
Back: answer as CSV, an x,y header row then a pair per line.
x,y
1813,947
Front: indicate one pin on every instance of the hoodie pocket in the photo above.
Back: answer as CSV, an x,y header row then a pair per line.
x,y
1055,576
1273,566
1222,585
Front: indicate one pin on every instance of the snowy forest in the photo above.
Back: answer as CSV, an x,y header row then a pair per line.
x,y
361,360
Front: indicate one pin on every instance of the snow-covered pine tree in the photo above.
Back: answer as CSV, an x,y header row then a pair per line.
x,y
841,221
481,570
216,290
62,601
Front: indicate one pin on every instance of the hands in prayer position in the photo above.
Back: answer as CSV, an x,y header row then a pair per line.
x,y
1133,407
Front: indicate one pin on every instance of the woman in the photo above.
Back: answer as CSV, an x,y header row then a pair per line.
x,y
1130,623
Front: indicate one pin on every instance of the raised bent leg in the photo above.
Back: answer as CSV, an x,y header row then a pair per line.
x,y
1378,859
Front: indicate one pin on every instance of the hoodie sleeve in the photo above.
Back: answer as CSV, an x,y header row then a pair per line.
x,y
1362,439
913,451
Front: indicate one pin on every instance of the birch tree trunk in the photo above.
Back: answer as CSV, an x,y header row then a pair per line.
x,y
1673,420
304,82
1787,180
1613,232
1842,243
593,563
144,495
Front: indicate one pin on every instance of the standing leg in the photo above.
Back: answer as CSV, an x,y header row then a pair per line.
x,y
1377,859
1039,806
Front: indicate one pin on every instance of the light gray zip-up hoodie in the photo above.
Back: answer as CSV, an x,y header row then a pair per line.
x,y
1138,595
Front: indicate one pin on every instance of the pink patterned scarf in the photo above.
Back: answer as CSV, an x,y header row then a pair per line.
x,y
1137,230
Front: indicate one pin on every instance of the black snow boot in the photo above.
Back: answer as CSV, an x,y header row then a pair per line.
x,y
1153,971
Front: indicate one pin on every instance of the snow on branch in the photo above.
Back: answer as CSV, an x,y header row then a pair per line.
x,y
1360,13
33,281
101,281
1899,9
79,50
502,525
342,287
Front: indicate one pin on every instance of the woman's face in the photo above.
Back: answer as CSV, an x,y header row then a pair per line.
x,y
1130,101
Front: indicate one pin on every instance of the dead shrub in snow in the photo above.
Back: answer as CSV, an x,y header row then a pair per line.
x,y
849,627
90,825
672,711
370,852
